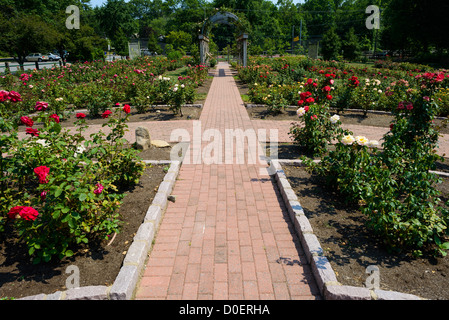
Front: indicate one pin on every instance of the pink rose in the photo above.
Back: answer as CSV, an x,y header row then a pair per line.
x,y
41,105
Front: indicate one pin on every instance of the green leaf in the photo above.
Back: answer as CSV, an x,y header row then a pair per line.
x,y
69,253
82,197
58,192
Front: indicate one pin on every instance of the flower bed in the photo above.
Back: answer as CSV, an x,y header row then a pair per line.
x,y
351,247
62,194
98,263
98,86
279,82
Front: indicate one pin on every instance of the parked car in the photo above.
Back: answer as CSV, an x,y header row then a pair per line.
x,y
36,57
53,57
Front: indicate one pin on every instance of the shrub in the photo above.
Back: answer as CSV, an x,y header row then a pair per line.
x,y
61,191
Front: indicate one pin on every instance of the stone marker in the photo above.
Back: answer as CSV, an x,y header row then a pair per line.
x,y
143,140
160,144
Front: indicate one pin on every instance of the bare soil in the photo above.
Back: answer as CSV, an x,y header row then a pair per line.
x,y
351,247
99,264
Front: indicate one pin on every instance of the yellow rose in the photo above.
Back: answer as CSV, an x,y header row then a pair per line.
x,y
362,141
348,140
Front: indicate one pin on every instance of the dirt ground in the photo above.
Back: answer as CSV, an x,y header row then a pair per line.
x,y
98,264
351,247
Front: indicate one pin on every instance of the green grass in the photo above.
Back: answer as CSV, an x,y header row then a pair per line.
x,y
178,72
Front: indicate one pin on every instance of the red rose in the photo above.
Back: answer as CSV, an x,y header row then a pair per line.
x,y
4,95
14,96
80,115
391,126
300,102
329,97
26,121
54,117
42,173
33,132
41,105
13,212
306,108
310,100
28,213
327,88
106,114
126,108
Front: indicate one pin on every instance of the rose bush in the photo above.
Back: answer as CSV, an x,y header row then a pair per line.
x,y
60,190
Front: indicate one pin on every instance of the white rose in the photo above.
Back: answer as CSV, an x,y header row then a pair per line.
x,y
373,144
300,112
334,119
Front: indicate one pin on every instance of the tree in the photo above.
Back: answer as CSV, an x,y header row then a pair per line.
x,y
24,34
180,40
351,45
331,45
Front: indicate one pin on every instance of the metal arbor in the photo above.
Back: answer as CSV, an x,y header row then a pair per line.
x,y
222,18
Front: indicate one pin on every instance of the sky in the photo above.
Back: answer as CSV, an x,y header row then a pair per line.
x,y
96,3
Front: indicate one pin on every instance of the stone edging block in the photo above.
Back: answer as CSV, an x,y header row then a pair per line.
x,y
134,261
325,277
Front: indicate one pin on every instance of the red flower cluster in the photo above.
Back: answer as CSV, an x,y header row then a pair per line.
x,y
11,95
80,115
126,108
354,81
26,213
42,173
26,121
405,105
33,132
106,114
54,117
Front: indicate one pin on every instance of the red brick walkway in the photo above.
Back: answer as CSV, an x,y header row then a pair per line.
x,y
228,235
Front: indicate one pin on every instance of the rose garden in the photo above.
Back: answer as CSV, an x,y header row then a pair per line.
x,y
224,150
62,192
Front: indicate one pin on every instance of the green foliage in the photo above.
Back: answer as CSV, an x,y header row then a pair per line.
x,y
72,207
331,45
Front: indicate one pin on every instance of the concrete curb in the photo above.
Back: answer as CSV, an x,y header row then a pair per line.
x,y
134,261
325,277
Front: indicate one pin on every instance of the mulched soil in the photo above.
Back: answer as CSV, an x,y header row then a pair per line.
x,y
98,264
351,247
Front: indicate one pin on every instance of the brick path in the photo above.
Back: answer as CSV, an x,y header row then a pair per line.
x,y
228,235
